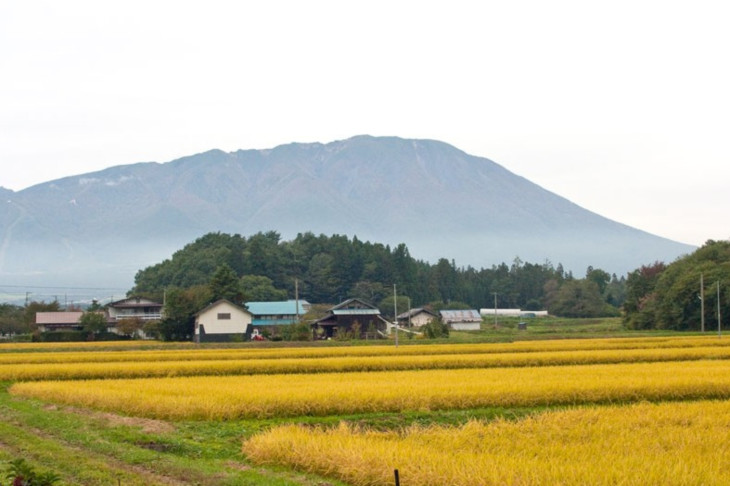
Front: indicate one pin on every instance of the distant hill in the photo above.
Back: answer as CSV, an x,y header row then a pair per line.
x,y
100,228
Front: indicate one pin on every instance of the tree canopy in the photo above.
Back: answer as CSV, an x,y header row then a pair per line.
x,y
671,297
329,269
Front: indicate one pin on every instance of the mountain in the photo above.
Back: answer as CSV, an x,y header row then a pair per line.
x,y
100,228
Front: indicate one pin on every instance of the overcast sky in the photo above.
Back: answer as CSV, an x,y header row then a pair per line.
x,y
623,107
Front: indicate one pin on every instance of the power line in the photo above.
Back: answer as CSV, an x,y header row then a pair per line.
x,y
61,288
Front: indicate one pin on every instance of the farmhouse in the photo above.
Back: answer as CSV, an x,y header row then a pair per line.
x,y
462,320
416,317
134,308
222,321
351,316
58,321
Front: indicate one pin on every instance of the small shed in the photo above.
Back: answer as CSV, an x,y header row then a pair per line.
x,y
222,321
416,317
462,320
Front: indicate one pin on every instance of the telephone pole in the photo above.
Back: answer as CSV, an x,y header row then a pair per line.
x,y
495,309
702,302
719,332
395,314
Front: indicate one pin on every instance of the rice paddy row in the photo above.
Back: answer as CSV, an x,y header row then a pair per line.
x,y
16,353
149,367
291,395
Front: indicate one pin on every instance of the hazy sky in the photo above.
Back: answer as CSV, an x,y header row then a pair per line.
x,y
623,107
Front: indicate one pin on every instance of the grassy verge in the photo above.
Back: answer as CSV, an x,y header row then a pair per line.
x,y
91,448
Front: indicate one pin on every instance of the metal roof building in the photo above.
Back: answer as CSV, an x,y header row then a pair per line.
x,y
277,313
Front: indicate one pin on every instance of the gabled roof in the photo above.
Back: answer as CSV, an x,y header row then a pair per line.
x,y
219,302
415,312
278,308
354,306
58,317
134,302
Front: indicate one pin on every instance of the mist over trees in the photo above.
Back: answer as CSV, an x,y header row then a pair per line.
x,y
329,269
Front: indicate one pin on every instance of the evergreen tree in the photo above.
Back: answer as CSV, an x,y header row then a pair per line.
x,y
225,284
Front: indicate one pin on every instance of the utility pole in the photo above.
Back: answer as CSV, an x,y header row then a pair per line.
x,y
719,332
296,296
395,314
409,312
702,302
495,309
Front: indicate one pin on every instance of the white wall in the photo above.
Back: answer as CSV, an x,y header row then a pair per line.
x,y
465,326
237,324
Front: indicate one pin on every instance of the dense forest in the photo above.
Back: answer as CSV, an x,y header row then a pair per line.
x,y
329,269
683,295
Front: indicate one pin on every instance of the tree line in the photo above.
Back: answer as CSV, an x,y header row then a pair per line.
x,y
329,269
683,294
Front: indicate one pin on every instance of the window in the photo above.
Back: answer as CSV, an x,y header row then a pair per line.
x,y
224,316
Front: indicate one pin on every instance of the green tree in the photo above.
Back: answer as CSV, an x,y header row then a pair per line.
x,y
225,284
369,291
435,328
34,307
580,298
453,305
261,289
93,322
600,277
677,292
298,331
94,306
640,302
386,305
181,305
323,285
11,320
129,326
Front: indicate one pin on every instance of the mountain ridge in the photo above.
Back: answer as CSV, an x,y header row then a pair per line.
x,y
435,198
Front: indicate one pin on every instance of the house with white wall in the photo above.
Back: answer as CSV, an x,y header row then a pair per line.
x,y
418,317
222,321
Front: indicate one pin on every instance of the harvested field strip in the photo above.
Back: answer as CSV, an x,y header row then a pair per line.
x,y
87,467
201,354
643,444
151,369
262,396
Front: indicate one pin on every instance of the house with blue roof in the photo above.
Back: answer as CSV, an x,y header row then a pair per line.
x,y
268,316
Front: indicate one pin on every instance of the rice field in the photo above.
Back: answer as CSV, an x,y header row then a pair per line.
x,y
291,395
601,411
643,444
16,353
212,362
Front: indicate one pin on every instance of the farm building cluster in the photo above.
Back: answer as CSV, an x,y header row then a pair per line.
x,y
226,321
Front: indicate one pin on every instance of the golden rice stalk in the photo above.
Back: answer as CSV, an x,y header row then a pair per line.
x,y
13,353
644,444
259,396
142,368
